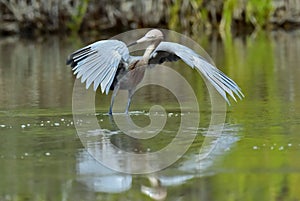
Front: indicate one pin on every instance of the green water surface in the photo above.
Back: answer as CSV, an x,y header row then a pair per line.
x,y
255,158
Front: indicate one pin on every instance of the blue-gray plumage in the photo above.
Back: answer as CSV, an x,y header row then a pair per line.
x,y
107,64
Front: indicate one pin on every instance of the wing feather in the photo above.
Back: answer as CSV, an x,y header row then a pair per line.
x,y
85,70
98,63
84,64
97,70
223,84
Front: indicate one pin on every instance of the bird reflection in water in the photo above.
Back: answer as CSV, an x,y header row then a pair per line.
x,y
98,178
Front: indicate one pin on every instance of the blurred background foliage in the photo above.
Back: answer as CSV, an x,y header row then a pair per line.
x,y
34,17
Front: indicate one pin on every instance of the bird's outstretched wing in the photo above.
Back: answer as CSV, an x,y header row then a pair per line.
x,y
168,51
98,63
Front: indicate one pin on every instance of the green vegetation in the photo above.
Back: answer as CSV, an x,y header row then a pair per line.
x,y
77,16
174,15
257,13
227,16
188,15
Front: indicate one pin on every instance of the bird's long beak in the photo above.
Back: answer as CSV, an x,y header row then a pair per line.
x,y
141,40
131,44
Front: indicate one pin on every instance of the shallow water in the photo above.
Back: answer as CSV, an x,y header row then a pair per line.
x,y
255,158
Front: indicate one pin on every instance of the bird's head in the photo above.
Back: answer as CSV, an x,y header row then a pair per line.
x,y
151,36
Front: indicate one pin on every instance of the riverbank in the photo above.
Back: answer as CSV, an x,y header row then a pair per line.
x,y
65,16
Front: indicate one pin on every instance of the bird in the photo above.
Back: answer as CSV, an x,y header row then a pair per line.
x,y
107,64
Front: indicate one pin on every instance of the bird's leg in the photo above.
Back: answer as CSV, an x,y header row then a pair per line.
x,y
116,89
130,93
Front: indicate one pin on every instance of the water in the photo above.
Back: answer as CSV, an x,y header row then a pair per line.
x,y
255,158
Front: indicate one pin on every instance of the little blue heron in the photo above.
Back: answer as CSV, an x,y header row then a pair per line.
x,y
107,63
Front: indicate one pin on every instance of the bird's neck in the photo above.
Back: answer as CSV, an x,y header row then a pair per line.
x,y
149,50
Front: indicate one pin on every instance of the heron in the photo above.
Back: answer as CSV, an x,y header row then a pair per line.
x,y
108,64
